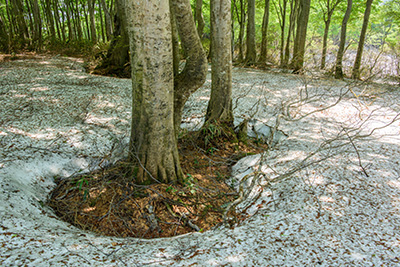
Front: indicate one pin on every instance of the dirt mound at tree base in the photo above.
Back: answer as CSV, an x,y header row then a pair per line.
x,y
108,201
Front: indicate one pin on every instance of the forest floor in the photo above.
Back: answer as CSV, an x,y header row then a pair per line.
x,y
327,195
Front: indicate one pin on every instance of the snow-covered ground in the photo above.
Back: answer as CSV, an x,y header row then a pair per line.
x,y
56,120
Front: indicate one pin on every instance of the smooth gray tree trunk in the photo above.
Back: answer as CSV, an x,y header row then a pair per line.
x,y
220,104
339,57
153,146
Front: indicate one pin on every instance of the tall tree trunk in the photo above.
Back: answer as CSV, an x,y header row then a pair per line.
x,y
18,10
357,62
4,37
175,40
102,30
242,22
77,20
118,52
108,20
220,104
251,52
59,25
37,35
282,23
301,33
339,57
198,14
153,144
264,30
327,21
195,71
292,23
71,33
50,21
92,21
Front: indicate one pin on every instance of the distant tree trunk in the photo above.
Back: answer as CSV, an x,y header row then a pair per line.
x,y
264,30
118,52
195,71
357,62
102,27
327,21
93,35
199,17
71,35
60,28
18,10
220,104
77,20
4,37
292,23
242,23
301,33
282,23
50,21
153,146
108,20
339,57
251,52
37,26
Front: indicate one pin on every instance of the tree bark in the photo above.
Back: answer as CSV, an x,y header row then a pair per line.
x,y
118,53
93,35
108,20
251,52
301,33
264,39
4,37
339,57
195,71
198,14
327,21
153,145
220,104
292,23
357,62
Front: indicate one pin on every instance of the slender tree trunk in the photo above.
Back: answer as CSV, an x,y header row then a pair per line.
x,y
37,34
300,42
339,57
282,12
19,14
292,23
4,37
325,43
220,104
175,40
195,71
102,30
242,21
118,53
77,20
93,35
71,35
251,52
50,20
357,62
327,21
153,144
264,39
198,14
108,20
59,23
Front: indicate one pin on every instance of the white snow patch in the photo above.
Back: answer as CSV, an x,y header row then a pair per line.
x,y
56,120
